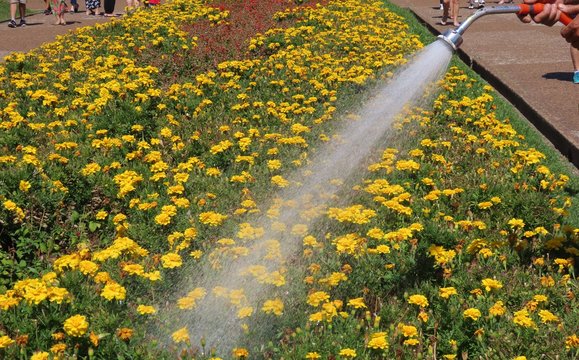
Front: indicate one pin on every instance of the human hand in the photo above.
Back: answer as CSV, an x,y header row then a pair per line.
x,y
571,31
550,14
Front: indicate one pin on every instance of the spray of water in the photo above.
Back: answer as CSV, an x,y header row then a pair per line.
x,y
242,282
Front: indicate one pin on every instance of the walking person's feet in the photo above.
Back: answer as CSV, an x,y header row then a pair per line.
x,y
12,24
22,22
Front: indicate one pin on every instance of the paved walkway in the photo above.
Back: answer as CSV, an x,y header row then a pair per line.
x,y
529,64
40,28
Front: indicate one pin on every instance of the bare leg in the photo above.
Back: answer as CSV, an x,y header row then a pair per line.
x,y
454,12
575,57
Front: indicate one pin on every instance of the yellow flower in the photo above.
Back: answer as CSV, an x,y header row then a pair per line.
x,y
181,335
274,306
572,341
472,313
5,341
516,223
408,330
318,297
490,284
40,355
446,292
357,303
146,309
497,309
171,260
411,342
547,316
125,333
113,290
419,300
378,341
240,353
76,325
24,186
313,356
347,353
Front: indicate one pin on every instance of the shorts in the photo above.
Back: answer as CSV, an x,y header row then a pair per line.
x,y
23,2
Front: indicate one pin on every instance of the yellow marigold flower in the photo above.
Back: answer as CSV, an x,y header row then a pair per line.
x,y
490,284
378,341
146,310
447,292
101,215
171,260
419,300
58,348
88,267
181,335
244,312
407,165
357,303
279,181
24,186
411,342
347,353
572,341
40,355
125,333
516,223
76,326
5,341
498,309
540,298
522,318
211,218
318,297
485,205
520,358
547,316
113,290
472,313
240,353
313,356
449,356
274,306
408,330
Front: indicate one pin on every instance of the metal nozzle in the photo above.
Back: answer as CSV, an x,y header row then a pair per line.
x,y
454,37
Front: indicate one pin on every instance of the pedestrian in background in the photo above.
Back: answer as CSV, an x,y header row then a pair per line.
x,y
59,7
17,5
452,7
109,8
92,6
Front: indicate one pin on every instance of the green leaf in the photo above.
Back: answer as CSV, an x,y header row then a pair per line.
x,y
92,226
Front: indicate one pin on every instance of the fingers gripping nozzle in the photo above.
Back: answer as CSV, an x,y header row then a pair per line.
x,y
453,37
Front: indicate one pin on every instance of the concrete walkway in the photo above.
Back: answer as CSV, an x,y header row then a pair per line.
x,y
529,64
40,28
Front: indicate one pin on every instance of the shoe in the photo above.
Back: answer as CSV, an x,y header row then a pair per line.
x,y
12,24
22,22
470,6
441,7
48,11
576,77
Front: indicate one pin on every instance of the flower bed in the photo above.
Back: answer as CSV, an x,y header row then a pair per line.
x,y
141,151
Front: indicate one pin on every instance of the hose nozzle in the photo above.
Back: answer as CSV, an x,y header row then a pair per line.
x,y
454,37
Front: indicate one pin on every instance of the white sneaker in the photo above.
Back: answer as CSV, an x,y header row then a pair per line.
x,y
441,7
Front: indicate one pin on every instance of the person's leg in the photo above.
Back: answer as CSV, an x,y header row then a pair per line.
x,y
575,60
445,7
454,12
22,10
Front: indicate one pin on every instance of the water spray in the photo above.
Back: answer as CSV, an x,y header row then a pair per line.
x,y
453,37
